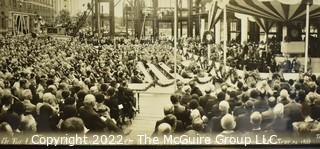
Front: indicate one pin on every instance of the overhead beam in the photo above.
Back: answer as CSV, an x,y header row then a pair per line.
x,y
190,22
155,23
99,17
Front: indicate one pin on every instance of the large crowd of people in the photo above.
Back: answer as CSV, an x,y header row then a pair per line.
x,y
249,105
249,55
49,85
73,84
80,85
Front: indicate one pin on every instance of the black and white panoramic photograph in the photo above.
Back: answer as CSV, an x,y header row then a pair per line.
x,y
212,73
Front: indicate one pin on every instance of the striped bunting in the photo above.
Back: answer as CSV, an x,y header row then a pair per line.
x,y
275,10
264,24
215,14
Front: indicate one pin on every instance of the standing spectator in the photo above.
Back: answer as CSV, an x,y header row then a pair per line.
x,y
214,124
243,120
228,124
195,89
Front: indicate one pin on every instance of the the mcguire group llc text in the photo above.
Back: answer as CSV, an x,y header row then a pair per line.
x,y
205,140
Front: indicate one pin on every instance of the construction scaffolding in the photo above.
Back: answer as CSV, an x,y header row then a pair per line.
x,y
100,17
136,16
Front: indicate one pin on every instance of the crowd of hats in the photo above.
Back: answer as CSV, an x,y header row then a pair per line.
x,y
246,106
50,85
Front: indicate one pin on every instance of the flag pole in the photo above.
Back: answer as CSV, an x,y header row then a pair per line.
x,y
225,36
307,38
175,42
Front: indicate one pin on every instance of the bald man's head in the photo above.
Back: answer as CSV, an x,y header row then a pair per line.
x,y
89,100
228,122
164,129
168,109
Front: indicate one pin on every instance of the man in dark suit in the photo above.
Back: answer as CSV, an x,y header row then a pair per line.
x,y
243,120
112,102
11,117
261,104
92,119
170,119
207,101
179,110
245,49
238,110
214,110
293,111
241,109
72,124
186,98
314,110
280,122
214,124
268,116
255,121
195,89
126,98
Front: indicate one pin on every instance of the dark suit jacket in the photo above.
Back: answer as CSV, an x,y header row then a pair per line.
x,y
201,110
185,99
233,103
68,111
92,119
214,111
209,106
280,125
315,112
112,103
181,113
203,100
243,122
267,118
11,118
293,111
214,124
261,105
197,91
239,110
47,123
178,110
207,101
